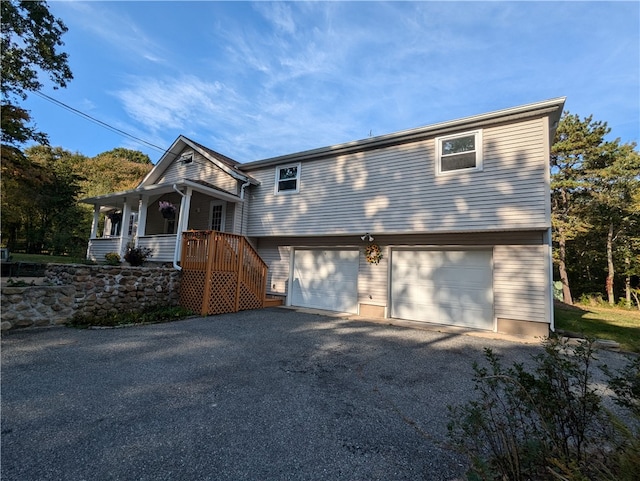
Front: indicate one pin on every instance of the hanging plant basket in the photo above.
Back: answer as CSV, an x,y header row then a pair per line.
x,y
115,217
373,254
168,214
167,209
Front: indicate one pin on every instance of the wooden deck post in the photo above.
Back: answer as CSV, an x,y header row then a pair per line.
x,y
240,272
206,295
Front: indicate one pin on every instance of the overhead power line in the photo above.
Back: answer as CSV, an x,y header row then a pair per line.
x,y
98,122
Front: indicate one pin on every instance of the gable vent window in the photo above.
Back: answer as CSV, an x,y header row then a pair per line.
x,y
459,152
186,159
287,179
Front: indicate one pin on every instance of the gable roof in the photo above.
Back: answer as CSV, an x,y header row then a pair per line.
x,y
552,107
223,162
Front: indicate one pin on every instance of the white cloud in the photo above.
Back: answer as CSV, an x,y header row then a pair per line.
x,y
175,103
116,28
279,14
294,76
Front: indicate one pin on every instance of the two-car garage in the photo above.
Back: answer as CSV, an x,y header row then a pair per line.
x,y
452,287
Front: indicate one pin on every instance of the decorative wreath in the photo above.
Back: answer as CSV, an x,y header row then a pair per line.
x,y
373,253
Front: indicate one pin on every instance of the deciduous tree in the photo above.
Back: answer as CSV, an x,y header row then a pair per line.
x,y
31,38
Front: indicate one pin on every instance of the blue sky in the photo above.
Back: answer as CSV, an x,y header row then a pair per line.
x,y
257,80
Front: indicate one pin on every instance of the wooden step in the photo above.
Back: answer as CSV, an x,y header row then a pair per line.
x,y
273,301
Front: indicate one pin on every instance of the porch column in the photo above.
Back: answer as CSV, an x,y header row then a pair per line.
x,y
183,222
185,207
124,228
142,215
94,229
94,222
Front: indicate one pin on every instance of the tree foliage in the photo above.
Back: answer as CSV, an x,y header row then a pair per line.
x,y
41,212
31,41
113,171
41,185
595,208
31,38
42,209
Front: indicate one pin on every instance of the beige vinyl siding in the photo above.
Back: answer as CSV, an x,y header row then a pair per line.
x,y
373,278
99,247
200,168
230,219
521,283
277,258
162,247
395,189
199,215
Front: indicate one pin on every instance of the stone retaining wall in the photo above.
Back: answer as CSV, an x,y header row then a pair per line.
x,y
71,289
36,305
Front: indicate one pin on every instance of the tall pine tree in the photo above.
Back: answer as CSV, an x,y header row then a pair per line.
x,y
595,206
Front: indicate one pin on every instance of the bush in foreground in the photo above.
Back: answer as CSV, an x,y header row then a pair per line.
x,y
550,423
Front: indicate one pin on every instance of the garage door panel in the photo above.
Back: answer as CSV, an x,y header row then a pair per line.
x,y
325,279
447,287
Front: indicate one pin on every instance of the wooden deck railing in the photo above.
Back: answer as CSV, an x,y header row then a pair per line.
x,y
220,273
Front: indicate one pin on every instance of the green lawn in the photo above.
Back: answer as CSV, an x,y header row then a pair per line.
x,y
45,259
620,325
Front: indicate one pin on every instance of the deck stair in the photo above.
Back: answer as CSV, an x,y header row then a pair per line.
x,y
221,273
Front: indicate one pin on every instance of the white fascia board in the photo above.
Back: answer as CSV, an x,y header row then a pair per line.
x,y
220,194
117,198
224,167
169,156
172,153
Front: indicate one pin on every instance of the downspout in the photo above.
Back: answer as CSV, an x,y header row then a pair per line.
x,y
242,187
547,240
177,247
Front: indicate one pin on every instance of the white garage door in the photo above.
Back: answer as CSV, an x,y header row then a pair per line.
x,y
325,279
445,287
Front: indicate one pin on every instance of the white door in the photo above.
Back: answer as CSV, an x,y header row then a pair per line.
x,y
216,215
446,287
325,279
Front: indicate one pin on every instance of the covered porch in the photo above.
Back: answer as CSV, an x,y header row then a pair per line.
x,y
155,216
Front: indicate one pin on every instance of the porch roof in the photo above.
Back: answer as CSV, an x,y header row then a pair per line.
x,y
116,200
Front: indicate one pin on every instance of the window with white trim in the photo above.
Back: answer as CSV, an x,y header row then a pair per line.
x,y
287,179
459,152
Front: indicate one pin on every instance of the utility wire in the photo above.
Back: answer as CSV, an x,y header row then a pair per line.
x,y
99,122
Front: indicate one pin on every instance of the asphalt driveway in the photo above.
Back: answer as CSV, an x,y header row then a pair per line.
x,y
272,394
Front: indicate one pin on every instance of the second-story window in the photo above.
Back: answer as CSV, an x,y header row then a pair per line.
x,y
287,179
459,152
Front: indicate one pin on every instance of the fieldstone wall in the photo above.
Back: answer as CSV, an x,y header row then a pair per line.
x,y
72,289
36,306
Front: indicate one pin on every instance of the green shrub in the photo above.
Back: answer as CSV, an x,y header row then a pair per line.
x,y
136,256
112,258
593,299
548,424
